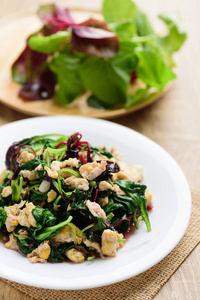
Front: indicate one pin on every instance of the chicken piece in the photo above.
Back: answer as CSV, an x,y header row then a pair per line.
x,y
51,173
12,243
14,209
134,173
51,195
148,196
11,222
31,175
109,242
120,244
79,183
75,255
93,245
116,154
92,170
105,186
7,191
99,156
96,210
66,235
12,215
71,162
103,201
25,156
56,166
40,254
25,217
117,190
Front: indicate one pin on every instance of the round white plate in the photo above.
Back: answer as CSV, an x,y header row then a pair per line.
x,y
169,218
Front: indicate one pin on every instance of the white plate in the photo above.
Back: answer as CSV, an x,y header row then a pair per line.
x,y
169,218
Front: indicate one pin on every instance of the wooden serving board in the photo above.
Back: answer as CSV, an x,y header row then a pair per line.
x,y
13,33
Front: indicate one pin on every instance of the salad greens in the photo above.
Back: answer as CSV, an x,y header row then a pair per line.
x,y
65,58
64,198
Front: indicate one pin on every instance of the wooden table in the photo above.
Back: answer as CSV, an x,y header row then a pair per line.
x,y
173,122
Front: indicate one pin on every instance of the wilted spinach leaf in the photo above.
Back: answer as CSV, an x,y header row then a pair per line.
x,y
3,217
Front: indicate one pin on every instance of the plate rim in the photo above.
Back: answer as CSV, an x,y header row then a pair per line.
x,y
164,253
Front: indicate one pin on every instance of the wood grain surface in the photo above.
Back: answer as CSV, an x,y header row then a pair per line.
x,y
173,122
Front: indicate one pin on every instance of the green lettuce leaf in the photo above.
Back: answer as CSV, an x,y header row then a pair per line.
x,y
104,79
118,10
177,32
69,85
124,29
143,24
48,44
152,69
132,99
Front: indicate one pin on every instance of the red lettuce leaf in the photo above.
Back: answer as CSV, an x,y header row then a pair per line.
x,y
94,38
42,87
28,65
54,16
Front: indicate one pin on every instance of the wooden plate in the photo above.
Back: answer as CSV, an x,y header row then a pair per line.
x,y
13,33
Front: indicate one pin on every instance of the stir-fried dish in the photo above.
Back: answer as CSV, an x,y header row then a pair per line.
x,y
64,199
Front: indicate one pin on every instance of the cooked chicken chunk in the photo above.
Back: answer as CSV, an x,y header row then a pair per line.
x,y
40,254
92,170
105,186
67,235
103,201
75,255
96,209
11,222
109,244
51,173
12,215
93,245
56,166
51,195
117,190
134,173
25,156
25,217
79,183
17,216
120,244
7,191
31,175
12,243
99,156
116,154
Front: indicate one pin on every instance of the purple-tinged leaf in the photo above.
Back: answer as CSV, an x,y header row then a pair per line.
x,y
58,17
9,153
28,65
94,38
40,88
